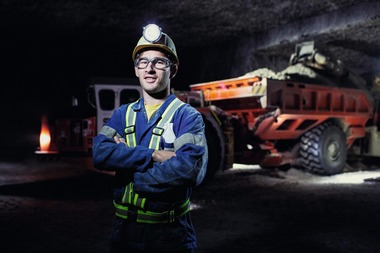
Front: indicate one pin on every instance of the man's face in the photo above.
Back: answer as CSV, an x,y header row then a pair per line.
x,y
153,80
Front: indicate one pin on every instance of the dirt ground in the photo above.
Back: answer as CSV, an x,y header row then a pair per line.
x,y
53,206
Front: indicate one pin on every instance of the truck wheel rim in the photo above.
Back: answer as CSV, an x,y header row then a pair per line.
x,y
333,150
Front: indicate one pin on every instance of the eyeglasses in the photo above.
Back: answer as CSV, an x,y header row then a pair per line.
x,y
158,63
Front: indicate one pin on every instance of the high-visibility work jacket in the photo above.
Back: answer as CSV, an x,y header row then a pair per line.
x,y
130,197
166,187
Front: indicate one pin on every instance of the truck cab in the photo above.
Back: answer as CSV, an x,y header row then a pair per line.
x,y
72,136
108,97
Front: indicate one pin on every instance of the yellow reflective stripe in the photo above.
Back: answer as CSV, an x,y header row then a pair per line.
x,y
139,202
127,124
153,217
128,194
131,197
154,142
158,131
166,118
169,112
258,90
130,126
155,139
186,203
136,200
171,216
143,201
263,89
121,211
185,206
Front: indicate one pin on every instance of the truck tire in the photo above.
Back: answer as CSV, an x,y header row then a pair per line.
x,y
323,150
215,152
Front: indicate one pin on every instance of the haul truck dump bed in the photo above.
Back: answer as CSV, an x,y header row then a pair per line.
x,y
274,114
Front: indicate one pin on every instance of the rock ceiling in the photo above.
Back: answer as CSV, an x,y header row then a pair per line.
x,y
349,28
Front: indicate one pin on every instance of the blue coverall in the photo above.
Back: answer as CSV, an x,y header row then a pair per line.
x,y
163,184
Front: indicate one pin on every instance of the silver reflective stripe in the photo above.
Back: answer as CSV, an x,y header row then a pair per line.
x,y
108,131
199,140
166,118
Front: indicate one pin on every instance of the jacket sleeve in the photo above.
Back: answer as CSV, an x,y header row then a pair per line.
x,y
188,167
108,155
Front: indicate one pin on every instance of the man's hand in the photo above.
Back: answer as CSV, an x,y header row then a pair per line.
x,y
162,155
158,155
119,140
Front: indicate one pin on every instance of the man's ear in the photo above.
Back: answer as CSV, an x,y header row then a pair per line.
x,y
136,72
173,70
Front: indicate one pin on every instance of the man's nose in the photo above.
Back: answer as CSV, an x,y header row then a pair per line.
x,y
150,66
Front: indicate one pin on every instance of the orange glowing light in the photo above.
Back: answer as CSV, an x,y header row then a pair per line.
x,y
44,135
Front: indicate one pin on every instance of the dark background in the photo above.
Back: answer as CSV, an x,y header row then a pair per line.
x,y
51,51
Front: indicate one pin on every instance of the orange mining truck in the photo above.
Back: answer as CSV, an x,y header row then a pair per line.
x,y
311,115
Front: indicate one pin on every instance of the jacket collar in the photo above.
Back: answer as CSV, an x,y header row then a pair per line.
x,y
140,104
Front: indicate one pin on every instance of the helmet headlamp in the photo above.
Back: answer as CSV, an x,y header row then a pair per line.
x,y
154,38
152,33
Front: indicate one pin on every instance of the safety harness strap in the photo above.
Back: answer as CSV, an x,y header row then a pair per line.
x,y
125,212
166,118
132,198
130,129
